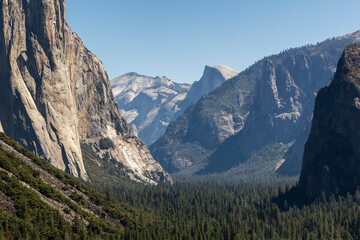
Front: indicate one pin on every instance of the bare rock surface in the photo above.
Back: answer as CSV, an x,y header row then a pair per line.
x,y
55,94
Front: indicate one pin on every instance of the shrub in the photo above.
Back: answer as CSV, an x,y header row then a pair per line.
x,y
106,143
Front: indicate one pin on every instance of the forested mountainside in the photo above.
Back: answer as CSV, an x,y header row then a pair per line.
x,y
39,201
55,94
150,104
256,123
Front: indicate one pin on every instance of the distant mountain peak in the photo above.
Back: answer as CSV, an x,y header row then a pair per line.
x,y
212,78
225,71
148,103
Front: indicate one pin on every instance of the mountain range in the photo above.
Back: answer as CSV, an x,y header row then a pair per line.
x,y
147,103
256,123
150,104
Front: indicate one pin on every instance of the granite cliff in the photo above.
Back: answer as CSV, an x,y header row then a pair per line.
x,y
55,94
331,158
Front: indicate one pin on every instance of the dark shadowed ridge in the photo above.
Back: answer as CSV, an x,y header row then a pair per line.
x,y
331,158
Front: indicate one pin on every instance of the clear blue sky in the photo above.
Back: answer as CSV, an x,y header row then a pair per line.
x,y
177,38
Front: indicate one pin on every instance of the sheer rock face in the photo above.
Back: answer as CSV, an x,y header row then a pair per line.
x,y
54,93
332,152
277,107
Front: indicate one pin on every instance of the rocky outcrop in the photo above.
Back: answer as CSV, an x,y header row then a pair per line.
x,y
148,104
331,158
268,111
55,94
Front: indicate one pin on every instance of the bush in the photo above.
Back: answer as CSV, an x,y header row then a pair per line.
x,y
106,143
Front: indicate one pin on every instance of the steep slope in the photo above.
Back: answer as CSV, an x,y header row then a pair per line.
x,y
331,159
38,201
264,112
148,104
55,94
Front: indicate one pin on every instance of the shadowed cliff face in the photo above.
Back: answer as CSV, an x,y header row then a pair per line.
x,y
331,159
54,93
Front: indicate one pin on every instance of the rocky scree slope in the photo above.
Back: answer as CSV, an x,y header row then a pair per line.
x,y
331,159
150,104
256,123
55,94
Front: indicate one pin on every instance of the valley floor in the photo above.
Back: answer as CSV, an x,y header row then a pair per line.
x,y
209,208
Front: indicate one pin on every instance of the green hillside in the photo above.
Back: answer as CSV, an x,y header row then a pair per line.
x,y
39,201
